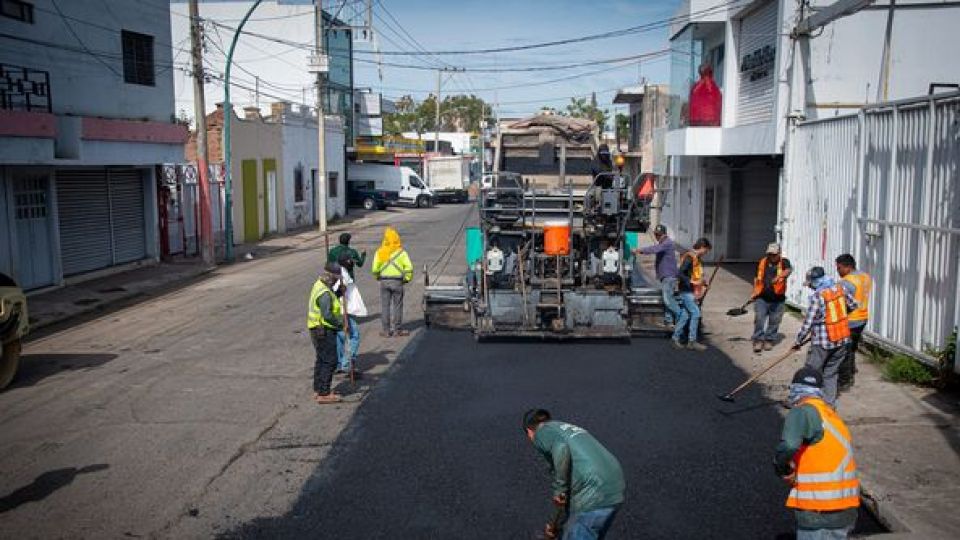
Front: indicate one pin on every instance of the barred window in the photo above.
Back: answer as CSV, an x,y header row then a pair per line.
x,y
137,58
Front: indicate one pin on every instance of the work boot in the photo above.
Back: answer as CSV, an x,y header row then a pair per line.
x,y
325,399
767,346
676,344
696,346
757,346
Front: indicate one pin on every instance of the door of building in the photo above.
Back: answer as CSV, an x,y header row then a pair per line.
x,y
34,262
270,194
251,220
715,211
102,218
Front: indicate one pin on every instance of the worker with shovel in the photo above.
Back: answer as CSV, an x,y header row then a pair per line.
x,y
587,478
815,457
769,297
827,326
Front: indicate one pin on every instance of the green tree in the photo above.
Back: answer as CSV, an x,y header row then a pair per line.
x,y
581,108
459,113
622,123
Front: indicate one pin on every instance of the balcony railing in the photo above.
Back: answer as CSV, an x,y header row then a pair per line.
x,y
24,89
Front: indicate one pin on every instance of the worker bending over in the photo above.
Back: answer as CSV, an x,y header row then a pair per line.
x,y
815,457
586,476
393,269
324,320
859,284
827,327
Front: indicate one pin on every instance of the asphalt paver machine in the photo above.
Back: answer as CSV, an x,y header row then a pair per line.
x,y
550,256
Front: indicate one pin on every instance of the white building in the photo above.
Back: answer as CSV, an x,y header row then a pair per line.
x,y
299,164
725,180
83,129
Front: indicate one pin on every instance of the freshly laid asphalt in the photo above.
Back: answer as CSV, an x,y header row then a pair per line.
x,y
438,452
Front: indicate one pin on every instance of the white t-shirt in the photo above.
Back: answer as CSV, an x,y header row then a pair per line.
x,y
353,301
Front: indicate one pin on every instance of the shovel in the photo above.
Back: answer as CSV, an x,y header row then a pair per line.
x,y
742,310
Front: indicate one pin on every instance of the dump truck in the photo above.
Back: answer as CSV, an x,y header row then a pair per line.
x,y
448,177
550,254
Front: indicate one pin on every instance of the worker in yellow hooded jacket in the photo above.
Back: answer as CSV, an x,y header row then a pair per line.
x,y
393,269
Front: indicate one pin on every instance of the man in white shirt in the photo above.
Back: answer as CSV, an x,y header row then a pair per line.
x,y
353,307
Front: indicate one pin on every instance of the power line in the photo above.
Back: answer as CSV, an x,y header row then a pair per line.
x,y
80,41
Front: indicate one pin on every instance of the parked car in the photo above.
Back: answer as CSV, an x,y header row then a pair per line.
x,y
14,325
403,181
359,194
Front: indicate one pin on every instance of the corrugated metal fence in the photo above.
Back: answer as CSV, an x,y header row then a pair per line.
x,y
182,206
883,185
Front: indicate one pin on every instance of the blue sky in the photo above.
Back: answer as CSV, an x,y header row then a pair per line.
x,y
473,24
463,25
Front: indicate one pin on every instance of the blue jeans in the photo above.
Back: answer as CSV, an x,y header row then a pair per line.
x,y
673,311
823,534
590,525
346,359
691,313
766,321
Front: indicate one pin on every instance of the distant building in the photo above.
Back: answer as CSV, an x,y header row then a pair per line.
x,y
83,130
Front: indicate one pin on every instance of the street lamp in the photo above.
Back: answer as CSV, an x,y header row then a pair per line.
x,y
227,117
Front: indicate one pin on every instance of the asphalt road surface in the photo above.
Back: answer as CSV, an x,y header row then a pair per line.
x,y
438,451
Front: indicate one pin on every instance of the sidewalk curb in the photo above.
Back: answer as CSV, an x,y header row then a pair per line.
x,y
37,327
885,514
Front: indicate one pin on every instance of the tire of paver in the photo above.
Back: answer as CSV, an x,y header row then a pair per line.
x,y
9,362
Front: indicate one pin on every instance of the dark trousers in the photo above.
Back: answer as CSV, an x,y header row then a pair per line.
x,y
325,347
391,304
848,368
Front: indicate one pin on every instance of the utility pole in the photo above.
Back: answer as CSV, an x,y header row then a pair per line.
x,y
320,66
256,90
205,227
436,127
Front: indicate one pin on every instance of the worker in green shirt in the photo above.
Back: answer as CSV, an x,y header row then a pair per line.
x,y
344,249
586,476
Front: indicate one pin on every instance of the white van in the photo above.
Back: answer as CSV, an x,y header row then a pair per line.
x,y
403,181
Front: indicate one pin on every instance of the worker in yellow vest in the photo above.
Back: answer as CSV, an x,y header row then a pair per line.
x,y
859,284
827,327
324,320
815,457
393,269
689,281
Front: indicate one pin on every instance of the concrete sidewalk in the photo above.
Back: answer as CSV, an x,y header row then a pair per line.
x,y
57,307
907,438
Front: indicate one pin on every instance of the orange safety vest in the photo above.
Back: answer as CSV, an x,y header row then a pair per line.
x,y
696,273
826,471
862,284
779,287
835,313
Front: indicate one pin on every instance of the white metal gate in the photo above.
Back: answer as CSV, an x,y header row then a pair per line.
x,y
883,185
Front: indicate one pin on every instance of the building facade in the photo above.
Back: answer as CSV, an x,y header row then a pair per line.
x,y
83,131
724,180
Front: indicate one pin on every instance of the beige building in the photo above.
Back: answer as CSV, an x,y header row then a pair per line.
x,y
648,113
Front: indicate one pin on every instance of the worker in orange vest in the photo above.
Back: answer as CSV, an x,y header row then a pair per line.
x,y
859,284
827,327
815,457
769,297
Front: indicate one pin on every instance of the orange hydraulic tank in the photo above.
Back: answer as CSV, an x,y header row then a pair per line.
x,y
556,238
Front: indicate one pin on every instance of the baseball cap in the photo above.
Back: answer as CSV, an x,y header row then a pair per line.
x,y
332,268
808,376
773,248
660,229
814,274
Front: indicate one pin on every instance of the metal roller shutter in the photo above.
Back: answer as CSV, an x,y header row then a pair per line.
x,y
127,216
84,210
757,65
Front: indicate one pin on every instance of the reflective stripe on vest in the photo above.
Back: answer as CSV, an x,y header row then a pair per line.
x,y
314,317
826,471
779,287
862,284
835,313
696,273
392,262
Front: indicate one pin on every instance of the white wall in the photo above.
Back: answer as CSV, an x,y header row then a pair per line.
x,y
92,84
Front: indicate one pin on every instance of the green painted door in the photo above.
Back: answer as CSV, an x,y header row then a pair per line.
x,y
251,221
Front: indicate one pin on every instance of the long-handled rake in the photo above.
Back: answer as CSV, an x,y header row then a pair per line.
x,y
729,396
